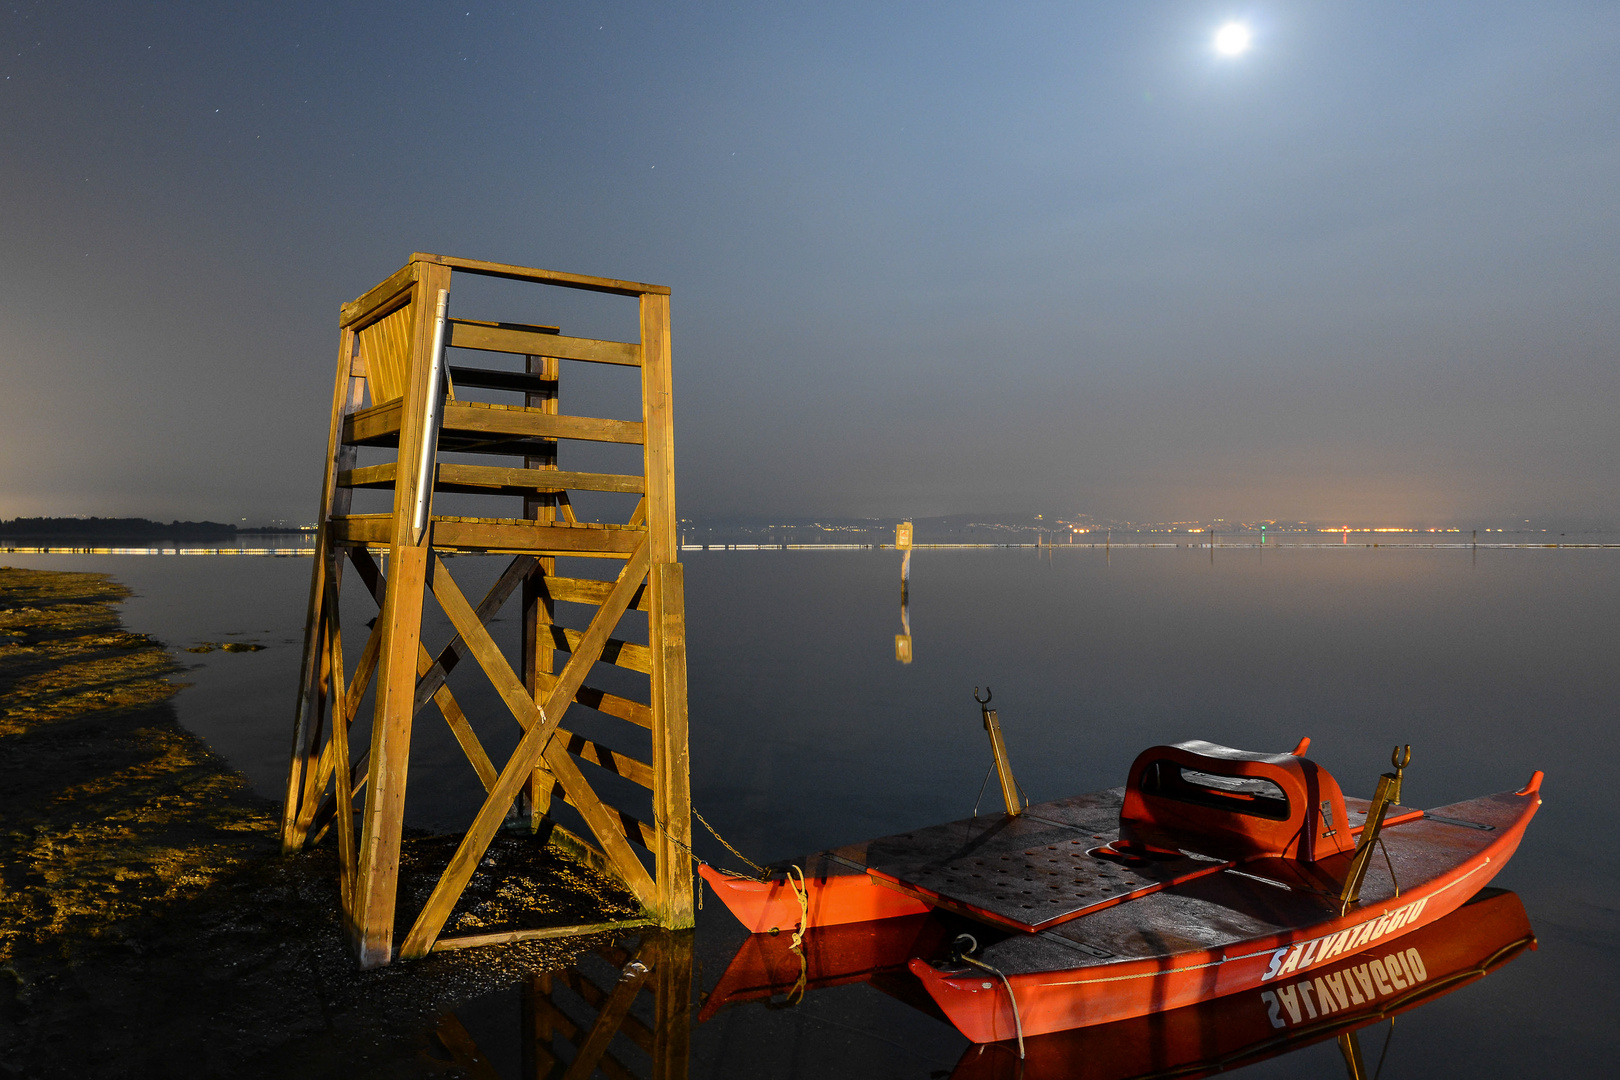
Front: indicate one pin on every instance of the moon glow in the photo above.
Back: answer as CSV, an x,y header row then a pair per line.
x,y
1233,39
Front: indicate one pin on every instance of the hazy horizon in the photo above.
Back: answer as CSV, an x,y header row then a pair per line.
x,y
923,256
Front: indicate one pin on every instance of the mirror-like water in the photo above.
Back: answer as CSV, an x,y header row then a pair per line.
x,y
806,733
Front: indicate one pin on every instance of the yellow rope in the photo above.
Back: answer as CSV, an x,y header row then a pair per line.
x,y
802,894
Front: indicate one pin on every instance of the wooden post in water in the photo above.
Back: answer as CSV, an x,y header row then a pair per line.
x,y
396,390
902,641
998,751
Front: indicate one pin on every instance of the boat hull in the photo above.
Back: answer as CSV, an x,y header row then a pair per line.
x,y
832,899
1237,1030
1285,963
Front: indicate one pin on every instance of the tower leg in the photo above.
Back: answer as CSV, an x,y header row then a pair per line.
x,y
539,609
378,878
302,782
672,790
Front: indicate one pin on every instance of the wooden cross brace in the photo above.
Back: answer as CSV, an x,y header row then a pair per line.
x,y
537,746
539,723
317,810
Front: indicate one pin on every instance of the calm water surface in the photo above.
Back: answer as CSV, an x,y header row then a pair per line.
x,y
807,733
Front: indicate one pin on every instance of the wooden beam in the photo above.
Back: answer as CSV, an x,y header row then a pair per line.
x,y
625,654
637,772
586,591
547,933
450,476
476,640
374,423
495,379
431,681
378,302
340,754
496,338
577,848
379,425
613,705
548,480
591,994
349,704
461,728
364,669
508,535
307,709
671,956
454,718
306,778
577,792
533,328
538,659
659,429
466,1059
438,693
515,573
672,789
396,677
389,758
621,708
544,277
516,696
530,748
672,800
490,418
612,1014
609,1066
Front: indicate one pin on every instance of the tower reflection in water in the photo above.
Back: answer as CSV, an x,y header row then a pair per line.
x,y
626,1010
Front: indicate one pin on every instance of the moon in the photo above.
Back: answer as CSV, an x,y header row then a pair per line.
x,y
1233,39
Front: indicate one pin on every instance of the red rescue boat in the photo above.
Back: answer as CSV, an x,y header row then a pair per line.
x,y
1211,1037
1212,872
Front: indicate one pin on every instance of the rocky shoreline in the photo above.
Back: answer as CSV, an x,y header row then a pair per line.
x,y
148,924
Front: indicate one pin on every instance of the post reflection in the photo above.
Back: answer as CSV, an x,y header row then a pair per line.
x,y
622,1011
902,640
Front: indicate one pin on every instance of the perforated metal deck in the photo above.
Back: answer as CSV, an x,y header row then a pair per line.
x,y
1027,872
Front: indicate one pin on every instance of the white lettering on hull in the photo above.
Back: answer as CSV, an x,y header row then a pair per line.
x,y
1298,957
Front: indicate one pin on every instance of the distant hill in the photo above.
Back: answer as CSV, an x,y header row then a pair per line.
x,y
108,529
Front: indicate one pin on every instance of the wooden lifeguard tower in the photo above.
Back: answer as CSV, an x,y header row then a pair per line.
x,y
396,390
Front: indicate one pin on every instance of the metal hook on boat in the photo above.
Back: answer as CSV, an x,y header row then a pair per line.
x,y
982,700
1400,760
963,946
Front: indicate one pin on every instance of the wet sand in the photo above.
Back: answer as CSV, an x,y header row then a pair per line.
x,y
148,925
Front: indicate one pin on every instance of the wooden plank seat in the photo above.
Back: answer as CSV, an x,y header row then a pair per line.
x,y
494,480
489,428
514,535
494,379
540,341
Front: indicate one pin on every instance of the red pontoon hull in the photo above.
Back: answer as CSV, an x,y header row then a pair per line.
x,y
1440,859
1212,1036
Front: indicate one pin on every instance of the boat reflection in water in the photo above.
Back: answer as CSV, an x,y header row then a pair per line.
x,y
1336,1000
625,1010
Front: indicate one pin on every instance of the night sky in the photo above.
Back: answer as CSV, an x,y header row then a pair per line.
x,y
925,258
